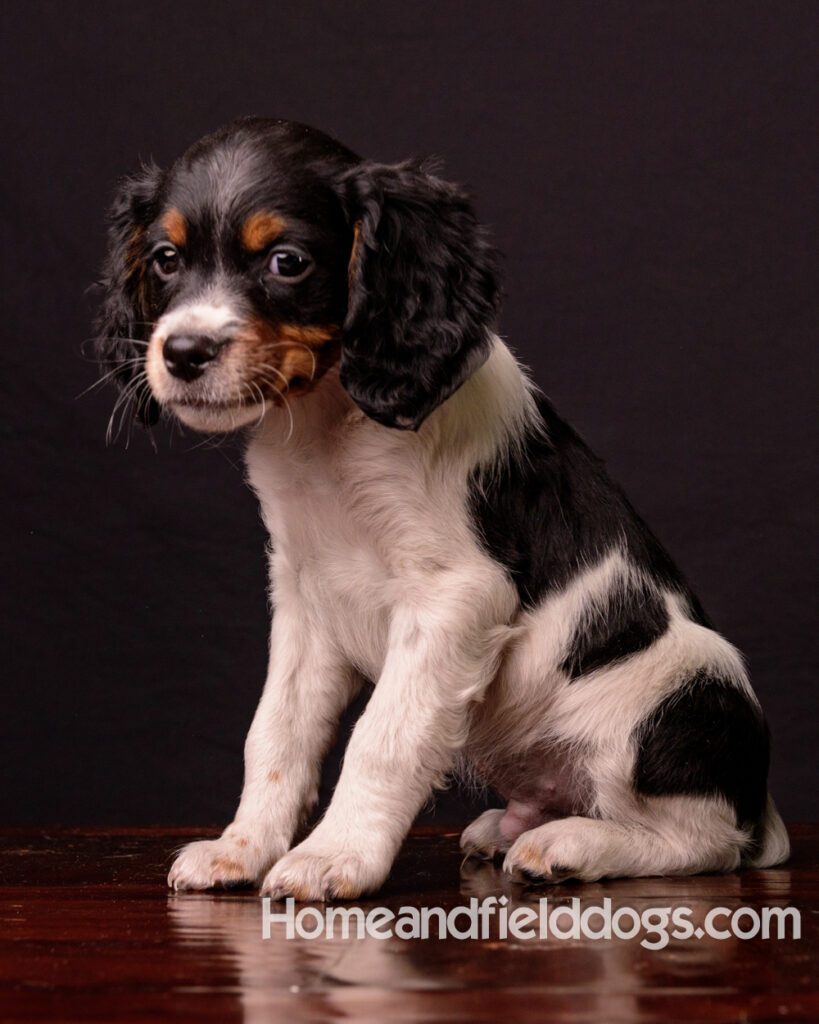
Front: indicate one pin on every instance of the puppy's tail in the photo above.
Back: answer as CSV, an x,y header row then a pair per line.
x,y
770,844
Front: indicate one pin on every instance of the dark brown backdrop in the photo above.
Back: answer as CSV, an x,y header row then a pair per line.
x,y
650,171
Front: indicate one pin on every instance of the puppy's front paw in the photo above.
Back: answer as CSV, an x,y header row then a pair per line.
x,y
313,872
231,861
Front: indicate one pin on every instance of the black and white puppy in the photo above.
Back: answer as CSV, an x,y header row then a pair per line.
x,y
437,531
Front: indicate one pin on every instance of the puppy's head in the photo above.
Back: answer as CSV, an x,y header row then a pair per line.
x,y
268,254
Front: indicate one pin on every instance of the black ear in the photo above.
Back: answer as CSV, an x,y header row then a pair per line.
x,y
122,321
424,293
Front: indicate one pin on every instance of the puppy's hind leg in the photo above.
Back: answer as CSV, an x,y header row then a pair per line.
x,y
675,835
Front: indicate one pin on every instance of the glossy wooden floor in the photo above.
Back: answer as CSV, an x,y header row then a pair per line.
x,y
88,931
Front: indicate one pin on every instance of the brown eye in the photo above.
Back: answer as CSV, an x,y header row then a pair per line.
x,y
166,261
289,264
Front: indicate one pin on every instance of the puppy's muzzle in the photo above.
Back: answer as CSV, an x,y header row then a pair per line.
x,y
187,356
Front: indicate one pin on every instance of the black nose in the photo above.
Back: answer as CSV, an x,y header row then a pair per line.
x,y
186,356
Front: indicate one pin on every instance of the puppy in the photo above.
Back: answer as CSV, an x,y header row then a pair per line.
x,y
438,532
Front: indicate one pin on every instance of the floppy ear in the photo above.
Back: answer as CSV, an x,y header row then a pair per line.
x,y
424,293
122,320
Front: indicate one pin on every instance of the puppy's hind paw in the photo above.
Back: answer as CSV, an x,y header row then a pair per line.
x,y
483,837
559,850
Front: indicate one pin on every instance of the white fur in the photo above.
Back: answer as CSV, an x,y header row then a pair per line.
x,y
230,403
673,835
377,573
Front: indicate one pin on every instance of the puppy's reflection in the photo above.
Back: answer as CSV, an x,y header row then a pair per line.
x,y
306,979
298,978
622,973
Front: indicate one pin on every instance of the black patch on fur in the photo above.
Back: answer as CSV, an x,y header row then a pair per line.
x,y
551,509
424,291
614,626
705,739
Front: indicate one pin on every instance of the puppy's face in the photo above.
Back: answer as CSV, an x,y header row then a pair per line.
x,y
268,254
245,264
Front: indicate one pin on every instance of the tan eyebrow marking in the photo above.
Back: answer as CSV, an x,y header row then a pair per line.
x,y
175,227
260,229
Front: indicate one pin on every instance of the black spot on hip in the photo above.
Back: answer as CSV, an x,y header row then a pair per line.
x,y
706,739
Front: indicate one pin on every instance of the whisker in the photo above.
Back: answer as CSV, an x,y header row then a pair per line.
x,y
297,344
313,357
292,421
107,376
119,337
122,405
206,442
264,403
94,357
267,366
285,405
123,397
144,397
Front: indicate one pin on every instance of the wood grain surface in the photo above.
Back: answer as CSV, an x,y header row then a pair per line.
x,y
89,932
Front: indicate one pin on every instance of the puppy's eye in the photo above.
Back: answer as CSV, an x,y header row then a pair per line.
x,y
289,264
166,261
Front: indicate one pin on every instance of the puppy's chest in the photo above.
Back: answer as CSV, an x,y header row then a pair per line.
x,y
350,593
353,538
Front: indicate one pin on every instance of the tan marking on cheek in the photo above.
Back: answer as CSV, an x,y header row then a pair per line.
x,y
276,357
273,776
297,362
176,227
260,229
313,336
241,842
307,352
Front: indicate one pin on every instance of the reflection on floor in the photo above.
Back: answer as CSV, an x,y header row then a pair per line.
x,y
88,931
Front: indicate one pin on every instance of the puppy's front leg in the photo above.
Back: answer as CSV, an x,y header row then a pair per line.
x,y
307,688
402,746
